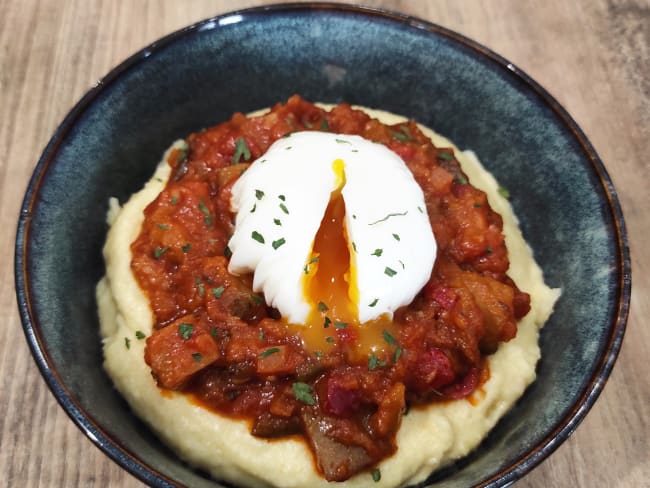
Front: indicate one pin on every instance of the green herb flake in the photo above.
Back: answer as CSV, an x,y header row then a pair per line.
x,y
374,302
254,208
376,475
477,205
203,208
227,252
186,248
217,292
284,208
162,226
460,179
354,246
127,342
396,237
324,125
199,286
173,200
259,194
159,179
257,299
159,251
342,141
185,330
420,210
256,236
139,335
197,357
322,308
504,192
303,393
268,352
314,259
400,262
278,243
389,271
397,354
377,252
330,340
372,361
340,325
282,197
488,250
327,322
445,156
388,338
214,332
288,148
318,354
397,214
241,149
400,136
277,221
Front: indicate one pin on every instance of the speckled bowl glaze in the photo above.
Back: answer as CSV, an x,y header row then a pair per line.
x,y
112,139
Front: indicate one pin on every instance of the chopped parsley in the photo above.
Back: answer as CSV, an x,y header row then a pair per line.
x,y
186,248
139,335
389,271
477,205
217,292
376,475
159,251
377,252
197,357
503,191
324,125
330,340
199,286
303,393
322,307
163,226
185,330
257,299
420,209
327,322
278,243
374,362
374,302
284,208
259,194
396,237
127,342
342,141
174,200
400,136
203,208
282,197
227,252
254,208
397,354
400,262
214,332
445,156
460,179
268,352
389,216
241,149
488,250
257,237
388,337
340,325
354,246
277,221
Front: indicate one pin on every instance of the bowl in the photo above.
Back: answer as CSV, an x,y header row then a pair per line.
x,y
110,142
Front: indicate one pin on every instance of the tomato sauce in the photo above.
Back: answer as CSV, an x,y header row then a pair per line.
x,y
216,339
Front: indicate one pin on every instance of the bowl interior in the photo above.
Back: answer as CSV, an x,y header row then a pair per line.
x,y
111,142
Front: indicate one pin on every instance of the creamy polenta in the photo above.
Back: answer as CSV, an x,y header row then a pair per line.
x,y
429,437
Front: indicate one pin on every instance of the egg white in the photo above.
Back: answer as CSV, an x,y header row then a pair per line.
x,y
280,202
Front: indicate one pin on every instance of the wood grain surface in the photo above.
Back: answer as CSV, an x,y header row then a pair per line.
x,y
592,55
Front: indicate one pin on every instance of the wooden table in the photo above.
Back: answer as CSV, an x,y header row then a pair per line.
x,y
593,56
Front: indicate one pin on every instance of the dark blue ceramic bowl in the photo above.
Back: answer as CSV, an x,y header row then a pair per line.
x,y
112,139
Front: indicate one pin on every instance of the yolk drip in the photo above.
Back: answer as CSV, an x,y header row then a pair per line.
x,y
330,288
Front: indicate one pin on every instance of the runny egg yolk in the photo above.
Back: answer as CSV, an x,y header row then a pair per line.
x,y
330,288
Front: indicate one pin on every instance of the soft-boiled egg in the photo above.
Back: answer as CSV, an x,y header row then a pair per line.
x,y
334,228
